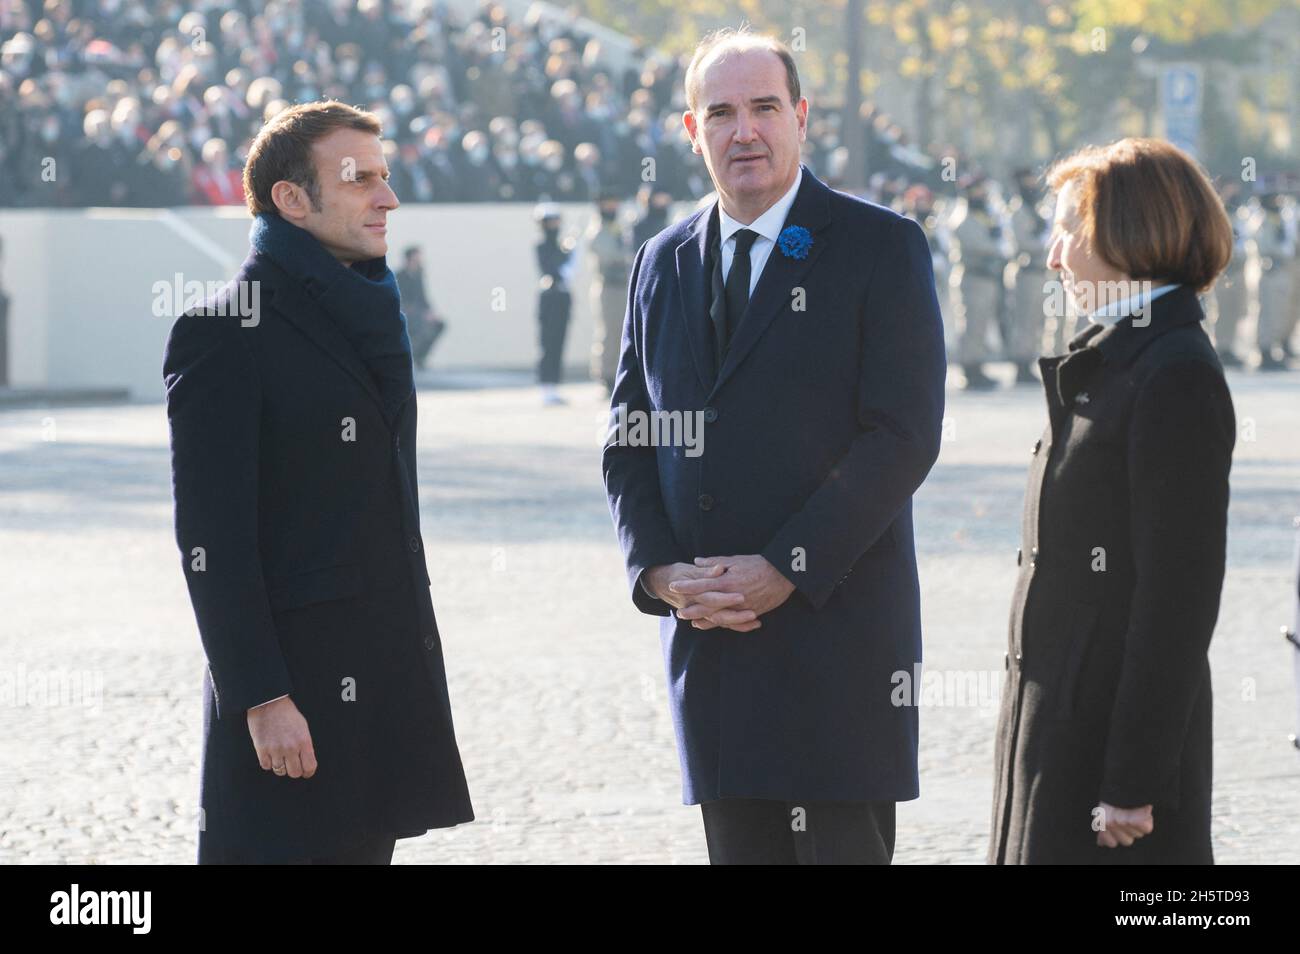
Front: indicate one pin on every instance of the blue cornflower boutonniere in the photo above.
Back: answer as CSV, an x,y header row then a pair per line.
x,y
794,241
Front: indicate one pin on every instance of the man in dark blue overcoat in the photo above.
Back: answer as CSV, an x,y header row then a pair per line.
x,y
779,400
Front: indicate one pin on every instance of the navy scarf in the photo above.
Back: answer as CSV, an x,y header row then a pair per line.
x,y
362,300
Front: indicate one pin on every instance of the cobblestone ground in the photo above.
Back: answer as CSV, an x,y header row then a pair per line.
x,y
556,680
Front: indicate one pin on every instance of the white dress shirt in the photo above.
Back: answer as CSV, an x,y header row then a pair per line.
x,y
1113,313
768,226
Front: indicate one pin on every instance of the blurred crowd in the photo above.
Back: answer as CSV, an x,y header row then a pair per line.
x,y
135,103
156,103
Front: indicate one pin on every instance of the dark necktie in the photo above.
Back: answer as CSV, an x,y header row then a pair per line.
x,y
737,288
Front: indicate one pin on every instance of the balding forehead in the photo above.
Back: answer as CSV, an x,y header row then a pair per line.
x,y
730,52
716,50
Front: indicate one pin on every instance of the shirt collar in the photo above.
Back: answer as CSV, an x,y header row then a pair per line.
x,y
770,223
1117,344
1112,313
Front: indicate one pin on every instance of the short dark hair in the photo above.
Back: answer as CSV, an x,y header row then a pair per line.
x,y
1149,210
720,42
282,150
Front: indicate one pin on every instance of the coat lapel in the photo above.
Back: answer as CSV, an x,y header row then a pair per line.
x,y
694,284
781,273
1065,375
309,318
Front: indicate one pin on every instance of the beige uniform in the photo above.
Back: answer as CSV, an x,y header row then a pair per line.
x,y
938,255
979,253
1289,325
610,269
1230,296
1272,251
1028,274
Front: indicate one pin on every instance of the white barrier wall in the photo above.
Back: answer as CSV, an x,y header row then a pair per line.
x,y
82,285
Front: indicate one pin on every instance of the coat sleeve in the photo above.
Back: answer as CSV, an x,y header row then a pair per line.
x,y
213,414
900,403
632,472
1179,453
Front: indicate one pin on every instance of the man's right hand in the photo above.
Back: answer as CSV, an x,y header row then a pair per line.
x,y
281,739
657,579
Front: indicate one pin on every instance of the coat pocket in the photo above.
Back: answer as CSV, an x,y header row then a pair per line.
x,y
320,585
1083,619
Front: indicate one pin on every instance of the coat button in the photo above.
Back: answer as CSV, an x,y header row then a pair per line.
x,y
706,501
1033,557
414,544
1038,445
710,415
429,641
1019,556
1019,660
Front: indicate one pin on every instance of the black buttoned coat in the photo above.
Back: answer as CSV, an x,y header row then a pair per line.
x,y
1107,696
823,420
298,524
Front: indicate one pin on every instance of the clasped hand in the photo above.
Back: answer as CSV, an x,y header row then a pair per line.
x,y
729,591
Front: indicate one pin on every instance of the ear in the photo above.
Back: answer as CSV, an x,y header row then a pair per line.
x,y
291,200
692,130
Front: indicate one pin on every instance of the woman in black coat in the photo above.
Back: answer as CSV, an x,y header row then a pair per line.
x,y
1103,750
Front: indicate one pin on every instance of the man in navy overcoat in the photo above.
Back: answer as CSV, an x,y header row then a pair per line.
x,y
779,400
328,731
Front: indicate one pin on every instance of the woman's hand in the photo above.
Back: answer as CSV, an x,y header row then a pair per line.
x,y
1122,826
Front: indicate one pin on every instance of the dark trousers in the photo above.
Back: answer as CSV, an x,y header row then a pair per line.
x,y
376,852
553,315
760,831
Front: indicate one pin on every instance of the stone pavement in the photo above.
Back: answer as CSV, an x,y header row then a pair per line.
x,y
556,681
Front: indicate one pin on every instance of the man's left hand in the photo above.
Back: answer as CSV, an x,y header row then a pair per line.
x,y
1123,826
763,586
